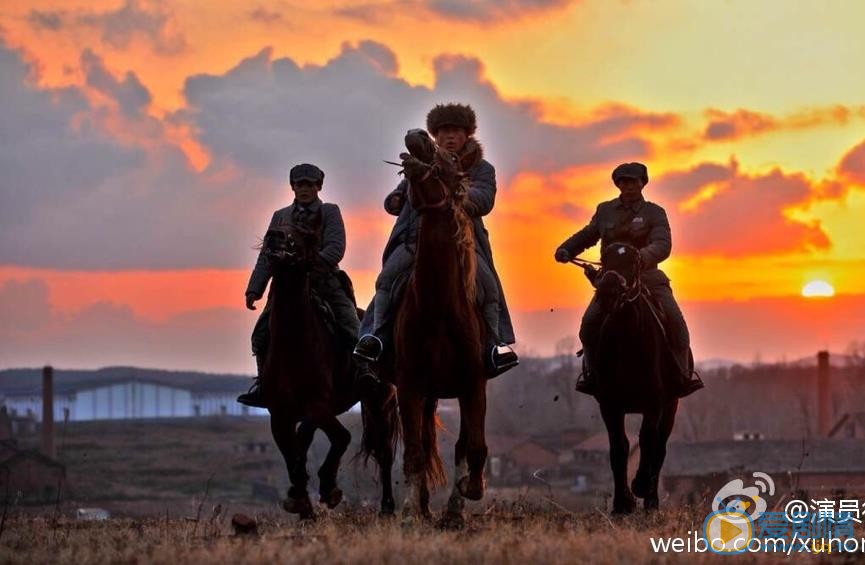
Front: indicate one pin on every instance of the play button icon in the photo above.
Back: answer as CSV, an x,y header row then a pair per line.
x,y
728,531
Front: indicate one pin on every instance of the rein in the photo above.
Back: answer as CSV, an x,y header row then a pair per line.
x,y
439,204
632,291
585,263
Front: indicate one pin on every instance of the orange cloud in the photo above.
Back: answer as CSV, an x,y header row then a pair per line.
x,y
485,12
745,215
726,126
150,295
852,165
778,328
34,332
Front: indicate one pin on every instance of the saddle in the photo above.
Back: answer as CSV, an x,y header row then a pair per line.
x,y
347,285
324,310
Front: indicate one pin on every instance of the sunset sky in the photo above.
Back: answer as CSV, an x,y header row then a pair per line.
x,y
145,145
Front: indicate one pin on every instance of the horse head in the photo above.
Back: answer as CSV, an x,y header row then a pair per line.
x,y
619,277
436,177
292,247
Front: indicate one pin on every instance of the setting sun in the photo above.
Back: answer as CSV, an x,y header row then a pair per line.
x,y
817,289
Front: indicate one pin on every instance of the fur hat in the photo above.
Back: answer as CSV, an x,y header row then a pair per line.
x,y
451,114
632,170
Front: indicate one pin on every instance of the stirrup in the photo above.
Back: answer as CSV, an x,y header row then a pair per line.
x,y
253,396
502,358
586,384
368,348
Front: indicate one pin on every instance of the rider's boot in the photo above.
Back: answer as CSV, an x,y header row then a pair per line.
x,y
366,379
690,381
254,397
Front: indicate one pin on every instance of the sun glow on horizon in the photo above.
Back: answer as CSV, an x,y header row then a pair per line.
x,y
818,289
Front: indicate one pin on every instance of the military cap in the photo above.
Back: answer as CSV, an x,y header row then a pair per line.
x,y
452,114
305,171
631,170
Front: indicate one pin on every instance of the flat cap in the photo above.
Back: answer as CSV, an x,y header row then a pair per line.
x,y
306,171
631,170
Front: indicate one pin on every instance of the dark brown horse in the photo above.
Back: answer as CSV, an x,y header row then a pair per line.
x,y
635,375
438,337
308,374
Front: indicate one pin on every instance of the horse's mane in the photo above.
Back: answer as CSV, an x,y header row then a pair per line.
x,y
471,154
465,242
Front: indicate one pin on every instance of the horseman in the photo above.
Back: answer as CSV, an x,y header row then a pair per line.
x,y
632,219
328,282
453,127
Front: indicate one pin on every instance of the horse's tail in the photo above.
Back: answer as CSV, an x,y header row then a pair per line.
x,y
434,467
381,429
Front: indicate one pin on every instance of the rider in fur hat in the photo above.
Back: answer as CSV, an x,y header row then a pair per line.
x,y
453,126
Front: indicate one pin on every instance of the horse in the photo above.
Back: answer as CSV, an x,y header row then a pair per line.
x,y
635,369
308,375
438,335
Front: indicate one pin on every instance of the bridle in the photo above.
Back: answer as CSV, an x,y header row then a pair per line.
x,y
445,195
633,291
290,251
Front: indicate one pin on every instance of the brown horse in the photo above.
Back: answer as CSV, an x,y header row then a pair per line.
x,y
635,375
308,374
438,337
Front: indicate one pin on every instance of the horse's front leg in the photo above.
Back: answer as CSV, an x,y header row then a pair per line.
x,y
641,486
340,438
473,409
455,515
385,468
282,426
659,452
623,500
411,416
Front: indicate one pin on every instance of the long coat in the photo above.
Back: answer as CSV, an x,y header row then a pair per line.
x,y
482,195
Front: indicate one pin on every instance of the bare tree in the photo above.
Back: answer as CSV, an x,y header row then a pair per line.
x,y
856,357
566,348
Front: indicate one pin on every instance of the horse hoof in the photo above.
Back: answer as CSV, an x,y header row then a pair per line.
x,y
640,486
413,520
651,504
472,490
452,521
301,506
388,510
332,498
624,506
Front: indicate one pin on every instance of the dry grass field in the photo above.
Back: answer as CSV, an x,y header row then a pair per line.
x,y
496,534
172,488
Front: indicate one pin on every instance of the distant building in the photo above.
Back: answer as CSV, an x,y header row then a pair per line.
x,y
849,426
31,475
125,393
693,472
520,460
